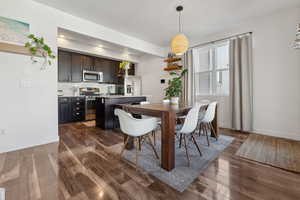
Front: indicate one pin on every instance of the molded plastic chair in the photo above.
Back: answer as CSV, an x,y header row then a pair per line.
x,y
145,117
136,128
209,116
188,128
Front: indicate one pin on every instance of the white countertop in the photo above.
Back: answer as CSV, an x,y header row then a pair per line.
x,y
111,96
120,96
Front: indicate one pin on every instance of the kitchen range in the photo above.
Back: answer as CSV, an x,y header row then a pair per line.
x,y
85,81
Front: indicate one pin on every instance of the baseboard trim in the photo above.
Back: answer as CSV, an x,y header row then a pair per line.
x,y
29,146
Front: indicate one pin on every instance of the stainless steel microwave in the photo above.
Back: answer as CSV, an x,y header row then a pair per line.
x,y
92,76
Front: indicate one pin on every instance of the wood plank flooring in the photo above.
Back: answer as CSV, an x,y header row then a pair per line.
x,y
83,166
277,152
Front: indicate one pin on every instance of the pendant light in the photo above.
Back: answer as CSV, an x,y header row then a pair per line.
x,y
297,41
179,43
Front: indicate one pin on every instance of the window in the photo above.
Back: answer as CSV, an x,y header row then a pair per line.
x,y
211,66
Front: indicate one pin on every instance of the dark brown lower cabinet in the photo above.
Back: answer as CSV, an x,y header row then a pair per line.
x,y
71,109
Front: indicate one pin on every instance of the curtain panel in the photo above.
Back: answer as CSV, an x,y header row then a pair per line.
x,y
188,93
241,94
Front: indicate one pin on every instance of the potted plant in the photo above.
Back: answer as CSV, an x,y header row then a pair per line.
x,y
174,89
38,47
125,66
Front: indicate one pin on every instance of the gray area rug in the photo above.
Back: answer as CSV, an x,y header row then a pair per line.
x,y
182,175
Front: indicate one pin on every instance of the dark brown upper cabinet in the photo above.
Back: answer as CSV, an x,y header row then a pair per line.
x,y
131,70
109,69
64,66
71,65
77,67
88,63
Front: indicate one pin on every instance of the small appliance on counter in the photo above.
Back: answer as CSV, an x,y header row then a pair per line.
x,y
132,85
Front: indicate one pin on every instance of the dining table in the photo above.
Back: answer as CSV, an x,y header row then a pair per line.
x,y
168,113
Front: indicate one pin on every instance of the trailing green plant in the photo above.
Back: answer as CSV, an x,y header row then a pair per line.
x,y
174,88
124,64
38,47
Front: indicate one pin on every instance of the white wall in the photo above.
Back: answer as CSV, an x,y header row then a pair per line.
x,y
28,116
276,72
150,68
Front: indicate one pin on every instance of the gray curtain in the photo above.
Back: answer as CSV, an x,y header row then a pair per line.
x,y
188,93
241,65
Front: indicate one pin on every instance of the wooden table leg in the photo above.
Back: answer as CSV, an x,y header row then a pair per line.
x,y
215,123
168,141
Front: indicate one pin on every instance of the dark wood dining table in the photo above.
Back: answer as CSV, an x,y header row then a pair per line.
x,y
168,114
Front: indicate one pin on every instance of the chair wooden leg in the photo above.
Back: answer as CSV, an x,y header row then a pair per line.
x,y
206,133
213,131
140,143
200,129
154,137
126,142
180,140
136,155
152,146
186,150
195,142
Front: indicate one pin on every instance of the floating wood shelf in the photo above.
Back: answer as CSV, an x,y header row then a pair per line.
x,y
12,48
173,67
171,60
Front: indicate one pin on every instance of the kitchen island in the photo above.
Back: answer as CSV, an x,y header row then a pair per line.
x,y
105,106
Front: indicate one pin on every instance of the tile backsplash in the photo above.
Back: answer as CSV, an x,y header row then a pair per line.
x,y
69,89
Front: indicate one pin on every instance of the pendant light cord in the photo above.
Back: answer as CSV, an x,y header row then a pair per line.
x,y
180,28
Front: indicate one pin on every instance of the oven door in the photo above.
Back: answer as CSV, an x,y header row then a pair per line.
x,y
89,76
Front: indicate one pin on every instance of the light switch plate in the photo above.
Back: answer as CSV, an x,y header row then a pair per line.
x,y
25,83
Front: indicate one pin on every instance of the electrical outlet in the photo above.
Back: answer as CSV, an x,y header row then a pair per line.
x,y
2,132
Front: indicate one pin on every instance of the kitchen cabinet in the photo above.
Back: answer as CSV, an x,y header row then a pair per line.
x,y
131,70
102,65
77,67
88,63
64,110
71,65
71,109
114,71
109,69
64,66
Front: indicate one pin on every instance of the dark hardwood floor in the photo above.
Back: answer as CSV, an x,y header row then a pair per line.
x,y
83,165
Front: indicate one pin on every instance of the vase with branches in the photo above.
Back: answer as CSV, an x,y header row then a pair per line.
x,y
124,66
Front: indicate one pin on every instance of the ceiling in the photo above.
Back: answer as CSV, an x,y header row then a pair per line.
x,y
156,21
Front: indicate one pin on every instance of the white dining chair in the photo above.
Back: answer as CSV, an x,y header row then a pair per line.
x,y
158,121
205,123
145,103
188,129
136,129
